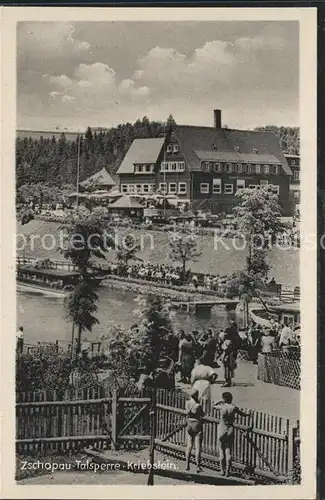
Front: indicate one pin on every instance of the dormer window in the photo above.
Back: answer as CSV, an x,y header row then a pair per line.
x,y
266,169
249,168
169,148
175,148
237,149
239,168
255,150
228,167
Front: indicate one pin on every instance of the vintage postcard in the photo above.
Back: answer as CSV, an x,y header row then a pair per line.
x,y
159,252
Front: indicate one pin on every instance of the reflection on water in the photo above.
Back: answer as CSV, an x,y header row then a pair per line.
x,y
44,318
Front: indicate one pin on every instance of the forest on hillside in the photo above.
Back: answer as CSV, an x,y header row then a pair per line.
x,y
54,161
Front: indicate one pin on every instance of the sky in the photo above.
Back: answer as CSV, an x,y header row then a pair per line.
x,y
71,75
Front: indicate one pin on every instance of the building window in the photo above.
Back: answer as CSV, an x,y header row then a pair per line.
x,y
206,167
244,169
145,188
296,194
266,169
264,183
175,148
172,188
257,169
148,168
252,186
204,188
255,150
276,189
163,187
240,184
217,167
138,188
169,148
293,162
239,168
229,188
229,168
131,188
249,168
172,166
138,168
216,186
275,169
182,188
296,175
124,188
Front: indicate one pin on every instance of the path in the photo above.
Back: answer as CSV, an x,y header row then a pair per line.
x,y
249,392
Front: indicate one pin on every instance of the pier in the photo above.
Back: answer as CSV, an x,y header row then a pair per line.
x,y
203,307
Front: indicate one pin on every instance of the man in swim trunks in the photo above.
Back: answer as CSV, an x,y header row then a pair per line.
x,y
226,430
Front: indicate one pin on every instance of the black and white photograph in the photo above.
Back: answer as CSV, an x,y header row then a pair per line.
x,y
159,203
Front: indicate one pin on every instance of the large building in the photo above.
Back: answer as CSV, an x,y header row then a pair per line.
x,y
206,166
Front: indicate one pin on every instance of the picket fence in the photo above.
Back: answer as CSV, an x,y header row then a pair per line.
x,y
70,421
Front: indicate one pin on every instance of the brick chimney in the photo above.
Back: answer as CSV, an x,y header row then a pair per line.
x,y
217,118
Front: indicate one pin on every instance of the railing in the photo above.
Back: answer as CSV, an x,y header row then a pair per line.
x,y
72,420
280,368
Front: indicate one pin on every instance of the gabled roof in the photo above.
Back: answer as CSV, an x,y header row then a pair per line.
x,y
141,151
126,202
214,144
101,178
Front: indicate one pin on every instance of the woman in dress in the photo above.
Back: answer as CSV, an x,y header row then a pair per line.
x,y
226,430
186,358
268,343
195,414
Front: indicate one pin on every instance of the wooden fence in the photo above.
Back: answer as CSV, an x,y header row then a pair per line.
x,y
280,368
71,421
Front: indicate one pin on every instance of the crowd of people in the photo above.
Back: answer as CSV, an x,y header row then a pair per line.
x,y
168,275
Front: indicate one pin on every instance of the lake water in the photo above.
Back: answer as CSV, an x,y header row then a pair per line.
x,y
44,318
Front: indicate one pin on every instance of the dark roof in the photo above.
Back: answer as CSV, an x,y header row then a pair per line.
x,y
196,142
102,178
230,156
60,273
141,151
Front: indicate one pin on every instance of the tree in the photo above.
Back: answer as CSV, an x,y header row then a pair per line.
x,y
127,250
151,338
258,222
85,239
183,249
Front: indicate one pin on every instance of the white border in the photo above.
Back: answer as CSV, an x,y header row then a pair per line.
x,y
307,18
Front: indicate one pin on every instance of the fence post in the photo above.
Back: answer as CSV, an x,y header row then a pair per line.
x,y
114,419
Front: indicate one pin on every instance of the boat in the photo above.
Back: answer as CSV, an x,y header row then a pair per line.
x,y
54,282
287,314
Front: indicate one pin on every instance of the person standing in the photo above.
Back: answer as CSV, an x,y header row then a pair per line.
x,y
285,337
226,430
228,360
20,340
268,343
195,415
209,349
186,358
202,377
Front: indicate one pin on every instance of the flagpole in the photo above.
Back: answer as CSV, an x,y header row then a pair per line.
x,y
78,172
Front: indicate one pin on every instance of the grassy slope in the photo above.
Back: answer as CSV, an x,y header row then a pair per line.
x,y
214,259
